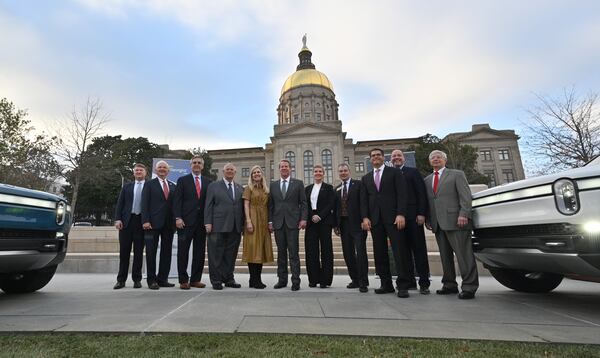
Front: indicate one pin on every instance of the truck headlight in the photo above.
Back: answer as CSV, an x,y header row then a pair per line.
x,y
61,211
566,196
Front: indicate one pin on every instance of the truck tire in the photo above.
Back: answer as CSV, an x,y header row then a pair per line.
x,y
525,281
27,282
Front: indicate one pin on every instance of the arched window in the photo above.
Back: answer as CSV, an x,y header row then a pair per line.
x,y
291,156
309,161
327,165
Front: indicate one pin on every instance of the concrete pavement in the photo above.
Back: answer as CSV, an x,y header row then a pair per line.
x,y
87,303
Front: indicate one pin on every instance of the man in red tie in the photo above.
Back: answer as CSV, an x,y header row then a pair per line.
x,y
188,207
158,223
449,213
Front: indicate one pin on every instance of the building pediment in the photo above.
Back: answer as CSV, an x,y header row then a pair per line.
x,y
483,132
306,129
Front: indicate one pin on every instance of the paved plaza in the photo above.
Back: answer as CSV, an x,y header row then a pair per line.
x,y
87,303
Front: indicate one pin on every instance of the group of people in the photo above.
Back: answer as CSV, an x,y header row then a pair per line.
x,y
393,203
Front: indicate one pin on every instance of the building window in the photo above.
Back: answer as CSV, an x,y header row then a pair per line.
x,y
327,117
486,155
307,116
326,157
347,160
319,117
309,161
359,167
508,176
503,154
272,167
291,156
245,172
491,177
296,118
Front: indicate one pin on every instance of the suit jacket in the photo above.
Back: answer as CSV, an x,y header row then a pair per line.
x,y
186,205
291,209
383,205
354,216
453,198
155,208
325,204
416,195
224,213
125,204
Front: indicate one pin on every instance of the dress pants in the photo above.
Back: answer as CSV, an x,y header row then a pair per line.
x,y
222,253
381,232
152,237
417,252
319,253
354,247
457,242
287,243
195,234
132,235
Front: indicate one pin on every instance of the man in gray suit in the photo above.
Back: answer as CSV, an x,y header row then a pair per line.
x,y
449,213
287,215
224,222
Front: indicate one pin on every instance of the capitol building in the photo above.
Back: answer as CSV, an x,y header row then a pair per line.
x,y
309,131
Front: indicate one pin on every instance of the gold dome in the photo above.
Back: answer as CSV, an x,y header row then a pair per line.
x,y
306,77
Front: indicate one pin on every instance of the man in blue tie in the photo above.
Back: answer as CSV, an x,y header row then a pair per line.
x,y
128,221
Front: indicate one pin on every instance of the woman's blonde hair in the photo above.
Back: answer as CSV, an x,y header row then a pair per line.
x,y
263,183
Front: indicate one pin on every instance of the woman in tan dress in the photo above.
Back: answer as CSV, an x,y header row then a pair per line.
x,y
257,239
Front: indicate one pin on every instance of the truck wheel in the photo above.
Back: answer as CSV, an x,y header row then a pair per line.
x,y
525,281
28,281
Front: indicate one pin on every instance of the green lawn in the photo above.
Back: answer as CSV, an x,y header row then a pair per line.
x,y
272,345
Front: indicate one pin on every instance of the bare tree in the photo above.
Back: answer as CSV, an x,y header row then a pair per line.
x,y
565,131
76,132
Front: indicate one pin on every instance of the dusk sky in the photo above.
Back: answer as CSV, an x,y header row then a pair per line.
x,y
209,73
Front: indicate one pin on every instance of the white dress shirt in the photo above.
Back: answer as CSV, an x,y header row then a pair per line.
x,y
314,195
440,171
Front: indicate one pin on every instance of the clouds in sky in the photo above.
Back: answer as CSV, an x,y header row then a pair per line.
x,y
176,71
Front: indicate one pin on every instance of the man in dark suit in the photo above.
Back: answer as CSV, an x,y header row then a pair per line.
x,y
383,208
157,218
317,239
449,213
354,238
188,207
224,222
128,221
287,215
416,210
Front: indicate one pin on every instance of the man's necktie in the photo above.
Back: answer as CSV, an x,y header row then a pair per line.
x,y
345,190
436,181
165,189
284,188
377,178
137,199
198,189
230,190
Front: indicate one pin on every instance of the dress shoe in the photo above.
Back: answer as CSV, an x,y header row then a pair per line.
x,y
363,289
352,285
323,285
232,284
137,284
118,285
197,284
424,290
260,285
403,293
447,291
466,295
279,285
166,284
184,286
153,286
312,285
412,286
217,286
295,287
384,289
